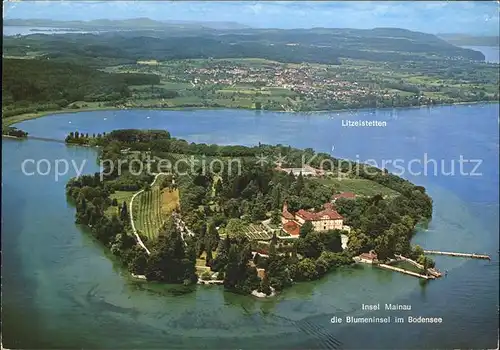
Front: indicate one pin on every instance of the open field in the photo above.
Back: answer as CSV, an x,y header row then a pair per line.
x,y
169,201
361,187
120,196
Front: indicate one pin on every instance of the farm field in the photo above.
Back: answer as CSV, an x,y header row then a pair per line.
x,y
148,217
151,208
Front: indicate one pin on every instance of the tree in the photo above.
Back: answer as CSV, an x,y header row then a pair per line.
x,y
124,213
276,197
276,217
299,184
312,245
383,247
212,235
250,190
138,260
235,227
332,241
258,210
208,259
306,270
170,260
305,229
417,252
265,287
218,188
272,249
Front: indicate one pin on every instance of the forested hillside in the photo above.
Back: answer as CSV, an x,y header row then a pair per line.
x,y
319,45
37,85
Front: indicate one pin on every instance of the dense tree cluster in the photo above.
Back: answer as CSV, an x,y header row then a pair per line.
x,y
227,203
309,45
233,258
33,85
310,258
12,131
385,225
171,260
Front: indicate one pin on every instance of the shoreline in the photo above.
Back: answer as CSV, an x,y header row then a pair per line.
x,y
10,121
13,137
254,293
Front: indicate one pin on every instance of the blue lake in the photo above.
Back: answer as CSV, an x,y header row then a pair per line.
x,y
60,288
491,53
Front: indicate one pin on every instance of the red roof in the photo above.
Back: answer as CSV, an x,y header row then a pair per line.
x,y
371,255
326,214
292,228
347,195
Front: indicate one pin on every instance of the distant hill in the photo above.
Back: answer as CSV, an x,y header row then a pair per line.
x,y
134,23
142,38
469,40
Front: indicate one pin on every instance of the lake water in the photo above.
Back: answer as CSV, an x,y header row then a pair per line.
x,y
60,288
25,30
491,53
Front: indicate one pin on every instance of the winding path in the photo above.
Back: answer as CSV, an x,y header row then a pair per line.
x,y
137,237
181,225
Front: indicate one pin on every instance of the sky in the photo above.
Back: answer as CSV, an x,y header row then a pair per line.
x,y
467,17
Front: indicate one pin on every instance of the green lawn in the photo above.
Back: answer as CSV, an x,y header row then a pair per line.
x,y
120,196
407,266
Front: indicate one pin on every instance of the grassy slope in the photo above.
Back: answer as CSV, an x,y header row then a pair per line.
x,y
169,201
152,208
147,213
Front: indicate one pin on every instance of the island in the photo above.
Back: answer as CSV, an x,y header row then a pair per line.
x,y
254,219
11,131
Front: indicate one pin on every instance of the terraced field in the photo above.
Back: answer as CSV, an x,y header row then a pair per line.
x,y
152,207
147,212
257,232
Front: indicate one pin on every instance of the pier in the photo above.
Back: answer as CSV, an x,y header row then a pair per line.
x,y
434,272
411,273
462,255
